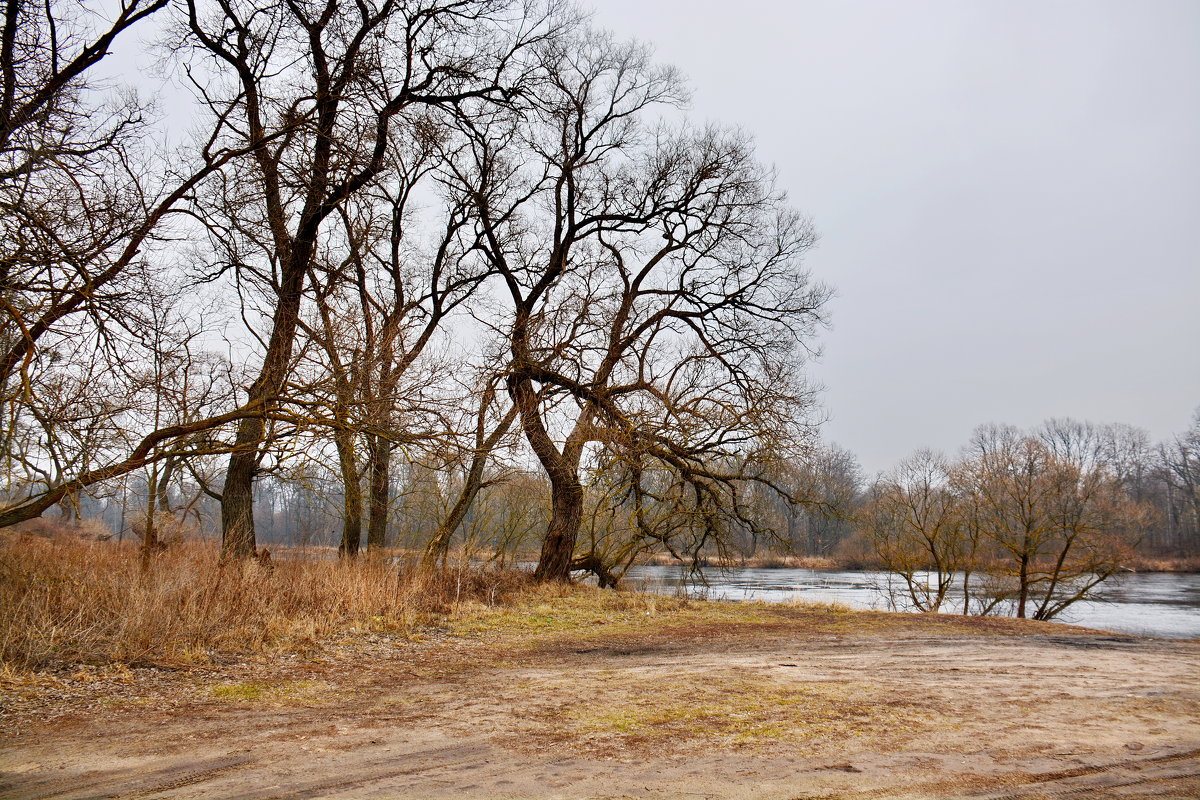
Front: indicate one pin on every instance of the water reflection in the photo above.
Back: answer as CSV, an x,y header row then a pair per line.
x,y
1153,604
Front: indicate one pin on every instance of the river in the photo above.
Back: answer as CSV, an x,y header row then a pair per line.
x,y
1164,605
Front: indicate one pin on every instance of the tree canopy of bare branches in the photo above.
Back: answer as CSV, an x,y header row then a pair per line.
x,y
656,306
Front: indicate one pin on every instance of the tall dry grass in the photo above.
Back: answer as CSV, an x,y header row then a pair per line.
x,y
1140,563
67,600
764,561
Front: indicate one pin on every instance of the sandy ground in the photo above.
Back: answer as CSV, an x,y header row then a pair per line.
x,y
683,708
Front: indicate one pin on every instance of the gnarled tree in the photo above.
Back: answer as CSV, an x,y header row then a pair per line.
x,y
657,307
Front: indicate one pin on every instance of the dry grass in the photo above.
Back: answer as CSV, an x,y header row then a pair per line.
x,y
765,561
545,613
713,707
1140,563
544,617
67,600
275,693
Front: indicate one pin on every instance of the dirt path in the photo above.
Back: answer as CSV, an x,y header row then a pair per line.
x,y
776,708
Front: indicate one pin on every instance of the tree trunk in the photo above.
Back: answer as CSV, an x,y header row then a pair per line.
x,y
380,497
566,492
966,606
352,500
558,548
164,485
237,498
1024,585
595,565
149,534
439,543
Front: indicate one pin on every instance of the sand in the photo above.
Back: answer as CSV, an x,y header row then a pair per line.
x,y
783,707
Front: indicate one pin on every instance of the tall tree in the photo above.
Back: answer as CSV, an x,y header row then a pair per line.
x,y
85,203
1180,469
314,91
76,211
658,305
377,311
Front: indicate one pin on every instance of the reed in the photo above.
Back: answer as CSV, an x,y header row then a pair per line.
x,y
67,600
768,561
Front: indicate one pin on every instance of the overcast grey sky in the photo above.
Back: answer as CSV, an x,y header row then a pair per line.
x,y
1008,194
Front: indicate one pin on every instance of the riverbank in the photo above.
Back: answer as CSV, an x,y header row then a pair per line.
x,y
1155,604
867,562
600,694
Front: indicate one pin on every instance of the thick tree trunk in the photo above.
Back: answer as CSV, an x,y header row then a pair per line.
x,y
380,497
352,499
237,498
558,548
566,492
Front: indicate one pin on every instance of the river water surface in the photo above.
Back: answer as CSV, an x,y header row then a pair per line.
x,y
1165,605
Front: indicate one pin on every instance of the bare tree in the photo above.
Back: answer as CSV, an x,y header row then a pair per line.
x,y
657,303
916,524
1061,521
830,478
378,315
314,92
490,430
1180,462
76,211
87,204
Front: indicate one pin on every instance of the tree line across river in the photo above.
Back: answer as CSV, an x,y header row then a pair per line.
x,y
1022,523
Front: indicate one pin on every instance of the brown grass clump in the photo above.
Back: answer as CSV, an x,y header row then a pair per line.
x,y
764,561
710,707
1140,563
781,561
68,600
